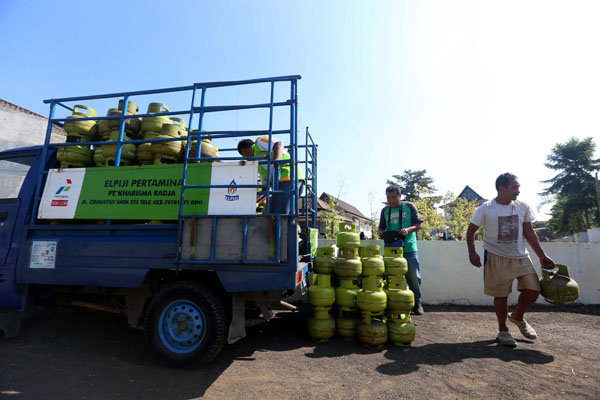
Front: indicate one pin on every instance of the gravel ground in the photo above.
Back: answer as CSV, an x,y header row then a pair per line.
x,y
82,354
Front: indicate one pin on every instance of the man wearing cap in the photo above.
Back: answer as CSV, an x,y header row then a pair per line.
x,y
280,202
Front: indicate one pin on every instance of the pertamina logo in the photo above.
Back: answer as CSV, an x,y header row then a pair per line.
x,y
62,189
65,188
232,190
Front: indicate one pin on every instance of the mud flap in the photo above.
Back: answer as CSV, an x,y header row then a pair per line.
x,y
237,328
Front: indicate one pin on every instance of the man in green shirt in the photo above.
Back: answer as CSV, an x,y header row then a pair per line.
x,y
280,202
398,223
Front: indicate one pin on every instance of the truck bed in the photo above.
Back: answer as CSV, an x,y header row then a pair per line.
x,y
122,255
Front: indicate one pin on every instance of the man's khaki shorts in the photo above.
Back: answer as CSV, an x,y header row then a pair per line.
x,y
500,272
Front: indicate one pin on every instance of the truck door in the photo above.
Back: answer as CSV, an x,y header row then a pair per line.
x,y
13,171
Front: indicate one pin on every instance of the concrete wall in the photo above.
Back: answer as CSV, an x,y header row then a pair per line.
x,y
594,235
448,276
20,128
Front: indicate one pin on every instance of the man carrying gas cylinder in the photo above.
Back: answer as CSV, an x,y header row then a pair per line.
x,y
507,223
397,225
280,202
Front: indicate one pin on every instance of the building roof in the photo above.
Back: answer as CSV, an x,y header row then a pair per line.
x,y
11,106
468,194
342,206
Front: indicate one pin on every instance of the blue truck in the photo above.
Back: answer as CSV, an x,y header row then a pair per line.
x,y
191,281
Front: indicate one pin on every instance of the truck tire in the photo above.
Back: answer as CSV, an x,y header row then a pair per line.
x,y
186,324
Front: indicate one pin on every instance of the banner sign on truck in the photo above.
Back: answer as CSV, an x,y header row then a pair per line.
x,y
148,192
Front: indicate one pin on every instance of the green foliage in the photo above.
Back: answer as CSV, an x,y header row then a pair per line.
x,y
414,184
432,221
459,216
572,189
375,228
331,218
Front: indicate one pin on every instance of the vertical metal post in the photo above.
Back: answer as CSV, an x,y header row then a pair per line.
x,y
200,122
294,147
121,131
305,197
245,239
38,188
269,153
314,174
183,180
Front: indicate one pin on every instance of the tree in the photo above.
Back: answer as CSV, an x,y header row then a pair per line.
x,y
413,184
331,217
459,216
375,228
432,221
573,188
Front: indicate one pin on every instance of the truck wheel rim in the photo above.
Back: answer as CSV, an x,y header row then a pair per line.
x,y
182,326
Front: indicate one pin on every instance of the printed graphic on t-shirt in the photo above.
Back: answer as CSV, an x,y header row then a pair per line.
x,y
508,229
404,216
395,217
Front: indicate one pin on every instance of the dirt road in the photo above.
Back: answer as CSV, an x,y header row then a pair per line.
x,y
81,354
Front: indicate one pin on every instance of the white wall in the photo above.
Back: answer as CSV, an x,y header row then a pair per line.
x,y
19,129
448,276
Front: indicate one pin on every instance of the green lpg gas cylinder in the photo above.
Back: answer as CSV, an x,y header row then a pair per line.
x,y
155,124
321,294
74,156
401,330
321,327
348,264
99,159
207,150
559,288
132,108
346,324
395,263
169,152
347,236
93,134
144,153
324,261
109,151
370,250
132,125
373,332
372,262
400,299
114,125
81,129
345,294
371,297
103,128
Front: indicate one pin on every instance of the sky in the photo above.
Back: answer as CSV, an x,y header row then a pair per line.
x,y
464,89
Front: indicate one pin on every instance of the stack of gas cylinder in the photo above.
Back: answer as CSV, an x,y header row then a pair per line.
x,y
108,130
161,127
78,131
347,268
401,299
207,149
372,314
146,128
372,299
321,296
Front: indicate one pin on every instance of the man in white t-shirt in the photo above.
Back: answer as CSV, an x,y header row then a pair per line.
x,y
507,224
